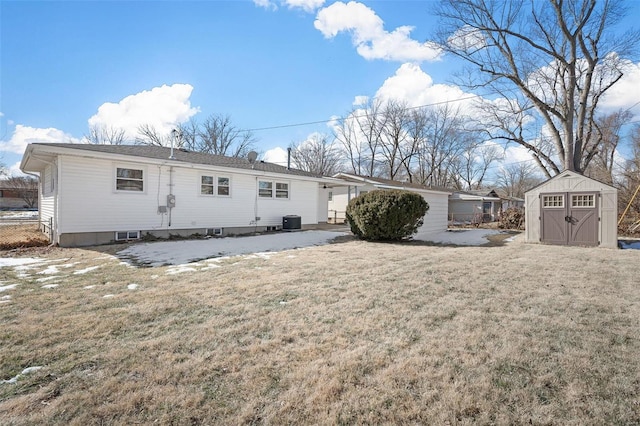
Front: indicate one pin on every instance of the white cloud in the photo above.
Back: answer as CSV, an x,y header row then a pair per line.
x,y
161,107
414,86
624,94
369,37
267,4
467,39
306,5
276,155
24,135
14,170
360,100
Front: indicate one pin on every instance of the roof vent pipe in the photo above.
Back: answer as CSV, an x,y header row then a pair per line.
x,y
289,158
174,135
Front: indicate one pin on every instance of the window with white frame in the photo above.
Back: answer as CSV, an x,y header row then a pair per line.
x,y
129,179
127,235
206,185
282,190
550,201
224,186
330,197
265,189
272,189
583,200
215,185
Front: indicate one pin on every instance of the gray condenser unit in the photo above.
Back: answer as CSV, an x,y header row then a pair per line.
x,y
291,222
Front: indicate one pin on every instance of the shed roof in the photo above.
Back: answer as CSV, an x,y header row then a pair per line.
x,y
568,173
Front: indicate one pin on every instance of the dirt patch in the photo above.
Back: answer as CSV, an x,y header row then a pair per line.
x,y
21,236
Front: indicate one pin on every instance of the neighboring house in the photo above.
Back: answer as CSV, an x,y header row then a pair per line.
x,y
572,209
434,221
11,198
96,194
474,206
511,202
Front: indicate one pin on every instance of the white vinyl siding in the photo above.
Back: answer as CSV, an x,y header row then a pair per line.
x,y
90,203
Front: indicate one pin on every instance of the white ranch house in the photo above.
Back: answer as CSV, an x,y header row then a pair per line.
x,y
435,220
97,194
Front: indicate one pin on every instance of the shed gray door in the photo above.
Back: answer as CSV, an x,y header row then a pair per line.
x,y
569,218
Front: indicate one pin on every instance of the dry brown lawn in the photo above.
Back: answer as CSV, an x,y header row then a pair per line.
x,y
348,333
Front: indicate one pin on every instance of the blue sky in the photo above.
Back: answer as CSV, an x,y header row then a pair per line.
x,y
66,64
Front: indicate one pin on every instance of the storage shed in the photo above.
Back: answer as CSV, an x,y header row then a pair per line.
x,y
572,209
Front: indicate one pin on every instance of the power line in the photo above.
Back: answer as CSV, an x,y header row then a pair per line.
x,y
308,123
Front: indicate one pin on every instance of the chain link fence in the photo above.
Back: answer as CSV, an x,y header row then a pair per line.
x,y
21,233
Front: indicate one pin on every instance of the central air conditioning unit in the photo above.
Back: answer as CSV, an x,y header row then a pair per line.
x,y
291,223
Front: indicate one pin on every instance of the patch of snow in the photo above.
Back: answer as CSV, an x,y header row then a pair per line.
x,y
188,251
107,296
50,285
7,297
179,269
25,371
8,287
510,239
89,287
69,265
50,270
209,267
132,286
29,214
85,270
17,261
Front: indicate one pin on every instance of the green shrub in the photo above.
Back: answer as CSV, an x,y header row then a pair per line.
x,y
512,218
386,214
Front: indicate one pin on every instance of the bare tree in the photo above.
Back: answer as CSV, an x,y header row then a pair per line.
x,y
345,134
218,135
474,163
370,124
605,140
393,137
444,140
629,182
517,178
105,135
26,187
552,59
317,154
189,135
149,135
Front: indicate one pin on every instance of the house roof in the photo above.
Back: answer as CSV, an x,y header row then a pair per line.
x,y
476,195
163,153
388,183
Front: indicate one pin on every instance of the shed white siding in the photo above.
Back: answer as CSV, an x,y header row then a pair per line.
x,y
574,182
